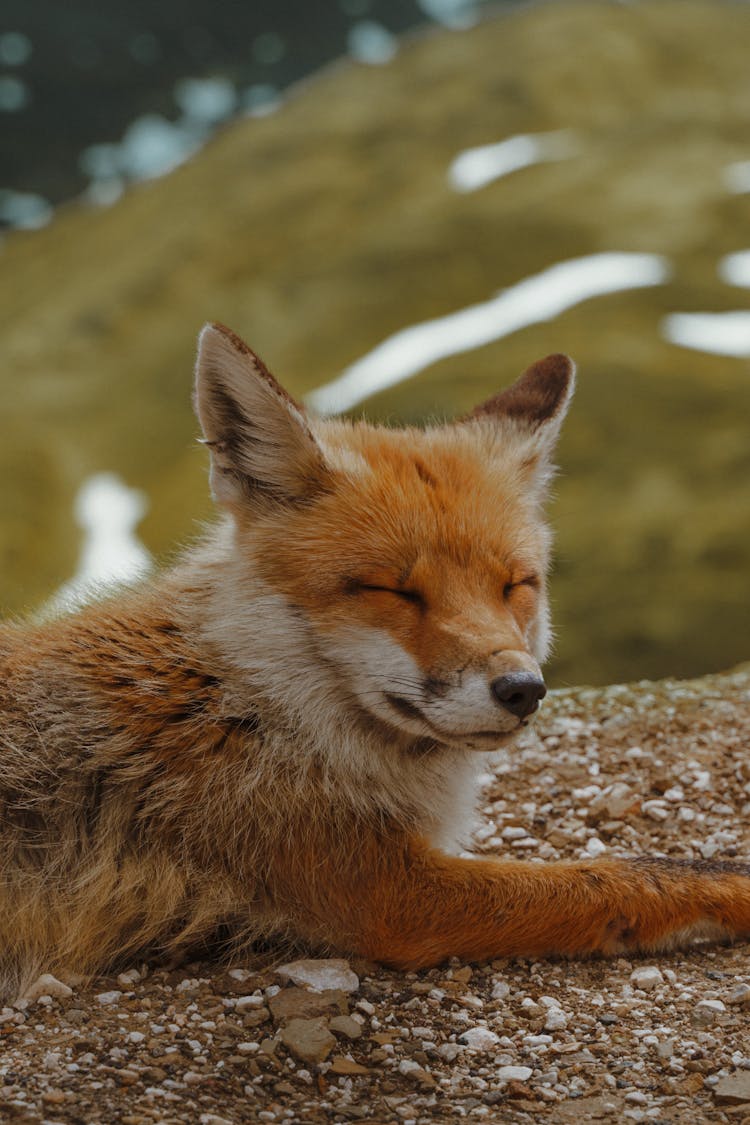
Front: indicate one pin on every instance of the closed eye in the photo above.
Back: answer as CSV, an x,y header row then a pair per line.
x,y
406,595
530,580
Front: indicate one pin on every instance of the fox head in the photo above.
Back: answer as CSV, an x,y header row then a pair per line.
x,y
414,561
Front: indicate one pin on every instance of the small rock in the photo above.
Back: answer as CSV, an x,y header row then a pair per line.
x,y
558,838
706,1012
127,1077
646,978
128,979
513,832
655,810
734,1089
213,1119
479,1038
346,1026
309,1040
740,995
301,1003
516,1089
255,1017
513,1073
332,973
449,1051
556,1020
674,793
47,985
247,1003
613,802
411,1069
341,1065
53,1096
108,997
500,990
595,847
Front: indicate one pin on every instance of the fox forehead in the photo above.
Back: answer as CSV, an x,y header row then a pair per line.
x,y
413,505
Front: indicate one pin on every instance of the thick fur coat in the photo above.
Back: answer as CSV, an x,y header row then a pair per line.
x,y
280,737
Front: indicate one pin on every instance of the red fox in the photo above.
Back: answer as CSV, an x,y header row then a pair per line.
x,y
280,738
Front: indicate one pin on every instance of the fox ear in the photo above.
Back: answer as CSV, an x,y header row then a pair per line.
x,y
260,441
534,406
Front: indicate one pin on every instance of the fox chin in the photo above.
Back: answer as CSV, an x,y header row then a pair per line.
x,y
282,735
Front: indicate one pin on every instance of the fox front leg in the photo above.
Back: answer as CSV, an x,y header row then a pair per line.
x,y
422,907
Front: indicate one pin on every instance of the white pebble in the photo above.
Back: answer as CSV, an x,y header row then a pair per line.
x,y
655,810
321,974
587,792
513,1073
247,1003
595,847
480,1038
408,1066
449,1051
108,997
47,985
500,990
646,978
513,832
128,979
556,1020
712,1005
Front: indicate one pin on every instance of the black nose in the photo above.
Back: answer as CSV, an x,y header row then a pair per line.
x,y
519,692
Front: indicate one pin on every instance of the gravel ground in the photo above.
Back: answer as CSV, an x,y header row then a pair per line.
x,y
650,768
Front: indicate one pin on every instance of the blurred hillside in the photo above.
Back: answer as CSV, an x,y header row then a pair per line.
x,y
322,229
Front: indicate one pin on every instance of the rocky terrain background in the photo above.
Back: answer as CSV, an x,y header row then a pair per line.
x,y
656,768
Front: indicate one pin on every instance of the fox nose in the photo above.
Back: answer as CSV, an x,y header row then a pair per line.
x,y
519,692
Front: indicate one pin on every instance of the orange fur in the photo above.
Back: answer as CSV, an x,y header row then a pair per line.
x,y
282,735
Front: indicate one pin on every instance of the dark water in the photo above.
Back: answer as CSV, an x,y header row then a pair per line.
x,y
78,74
